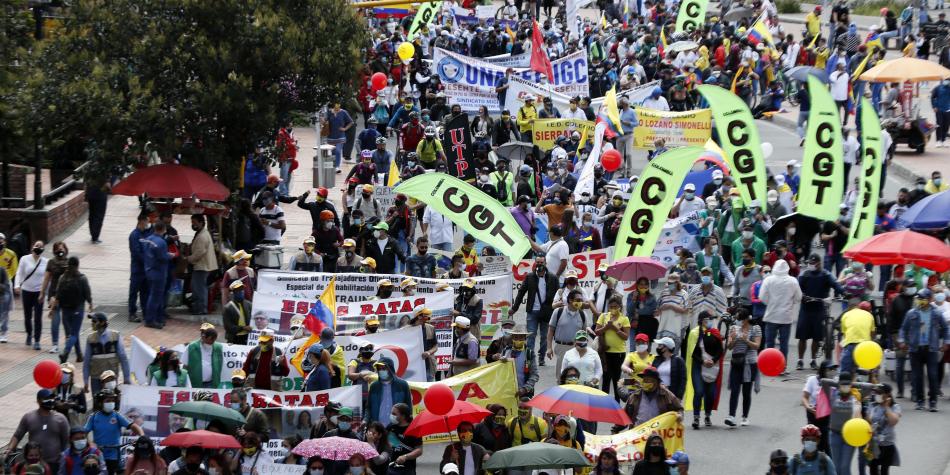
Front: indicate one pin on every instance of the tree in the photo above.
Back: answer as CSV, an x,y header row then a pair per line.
x,y
200,80
16,36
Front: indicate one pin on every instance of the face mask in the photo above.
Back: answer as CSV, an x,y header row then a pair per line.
x,y
518,345
108,406
37,250
356,470
672,285
780,469
571,380
80,444
688,195
500,420
642,348
857,266
940,297
844,388
587,223
465,437
810,446
710,324
268,201
328,225
90,470
811,267
717,181
249,450
376,234
910,290
919,186
550,173
746,235
483,178
879,398
747,261
562,171
345,425
236,406
577,305
60,254
193,467
711,206
238,296
923,303
937,181
383,374
580,344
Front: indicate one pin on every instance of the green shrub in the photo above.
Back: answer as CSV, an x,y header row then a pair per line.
x,y
788,6
873,7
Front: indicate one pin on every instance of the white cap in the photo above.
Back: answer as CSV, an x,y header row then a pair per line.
x,y
779,180
667,342
791,163
771,196
717,174
689,187
755,204
462,322
450,468
712,200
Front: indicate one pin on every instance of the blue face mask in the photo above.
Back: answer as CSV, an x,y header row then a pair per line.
x,y
383,374
236,406
344,425
706,280
238,296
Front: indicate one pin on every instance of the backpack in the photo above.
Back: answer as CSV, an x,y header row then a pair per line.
x,y
797,461
501,187
560,311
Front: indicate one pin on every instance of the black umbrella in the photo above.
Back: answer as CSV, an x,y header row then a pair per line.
x,y
738,13
514,150
806,228
801,73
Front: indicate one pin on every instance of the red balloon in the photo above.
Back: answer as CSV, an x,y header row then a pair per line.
x,y
439,399
771,362
379,81
611,160
47,374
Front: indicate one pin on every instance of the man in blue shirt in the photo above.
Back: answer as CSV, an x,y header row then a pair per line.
x,y
106,426
923,334
155,257
137,283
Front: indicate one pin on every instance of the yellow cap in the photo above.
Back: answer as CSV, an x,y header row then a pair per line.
x,y
237,284
349,243
240,255
385,283
238,373
206,326
407,282
468,283
372,320
369,261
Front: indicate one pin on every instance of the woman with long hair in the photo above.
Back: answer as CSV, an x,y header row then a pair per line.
x,y
607,463
304,424
377,437
321,376
744,340
54,270
169,372
704,350
288,445
144,459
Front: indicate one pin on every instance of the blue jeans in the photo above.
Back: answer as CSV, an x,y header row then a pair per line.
x,y
138,289
918,359
781,330
841,453
72,321
536,325
338,153
887,35
876,89
442,246
54,327
155,305
704,394
199,291
284,186
5,311
847,359
800,126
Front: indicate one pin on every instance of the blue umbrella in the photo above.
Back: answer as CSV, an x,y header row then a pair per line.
x,y
932,212
698,179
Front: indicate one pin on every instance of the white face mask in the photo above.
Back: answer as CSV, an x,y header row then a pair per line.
x,y
108,406
642,348
376,234
746,234
316,471
940,297
110,385
810,446
879,398
80,444
791,231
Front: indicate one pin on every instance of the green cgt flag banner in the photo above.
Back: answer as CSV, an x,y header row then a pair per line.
x,y
651,201
692,15
468,207
862,225
819,194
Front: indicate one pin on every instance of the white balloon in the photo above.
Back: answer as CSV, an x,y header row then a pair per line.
x,y
767,149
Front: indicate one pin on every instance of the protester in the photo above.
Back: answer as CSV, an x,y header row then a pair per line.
x,y
744,340
704,368
46,428
612,331
781,294
922,332
28,283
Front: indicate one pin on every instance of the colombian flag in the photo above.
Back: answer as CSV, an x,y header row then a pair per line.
x,y
759,33
873,42
661,48
321,315
610,108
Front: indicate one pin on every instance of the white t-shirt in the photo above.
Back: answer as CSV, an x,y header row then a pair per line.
x,y
469,461
276,215
945,308
555,252
205,363
664,370
688,206
440,228
812,386
839,86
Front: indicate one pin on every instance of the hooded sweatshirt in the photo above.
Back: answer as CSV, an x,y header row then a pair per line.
x,y
384,394
781,294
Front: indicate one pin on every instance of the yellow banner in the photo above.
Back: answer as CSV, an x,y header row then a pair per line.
x,y
494,383
546,130
629,444
678,129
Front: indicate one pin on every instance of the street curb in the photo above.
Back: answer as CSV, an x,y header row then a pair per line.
x,y
893,168
801,21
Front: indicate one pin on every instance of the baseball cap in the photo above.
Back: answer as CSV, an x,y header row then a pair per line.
x,y
642,337
667,342
581,335
462,322
717,174
677,458
689,187
349,243
44,394
206,326
266,335
382,225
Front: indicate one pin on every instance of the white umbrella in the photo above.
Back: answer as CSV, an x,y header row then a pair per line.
x,y
683,46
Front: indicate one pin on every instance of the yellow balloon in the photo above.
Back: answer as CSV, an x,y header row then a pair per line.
x,y
406,50
868,355
856,432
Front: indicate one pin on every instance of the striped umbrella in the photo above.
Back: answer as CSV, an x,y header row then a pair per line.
x,y
582,402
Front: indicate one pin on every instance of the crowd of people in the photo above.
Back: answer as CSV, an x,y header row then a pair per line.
x,y
753,281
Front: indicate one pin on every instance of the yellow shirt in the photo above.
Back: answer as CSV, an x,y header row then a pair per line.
x,y
821,57
813,24
9,262
638,364
856,326
932,188
524,432
526,116
615,344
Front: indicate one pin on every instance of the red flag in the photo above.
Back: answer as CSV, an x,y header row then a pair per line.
x,y
539,59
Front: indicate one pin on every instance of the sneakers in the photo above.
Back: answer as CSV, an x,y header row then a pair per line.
x,y
338,171
812,365
36,346
54,349
696,422
708,421
933,407
62,358
801,365
731,421
920,406
745,421
3,337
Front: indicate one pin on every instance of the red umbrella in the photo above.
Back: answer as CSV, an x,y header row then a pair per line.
x,y
169,180
427,423
629,269
201,438
902,247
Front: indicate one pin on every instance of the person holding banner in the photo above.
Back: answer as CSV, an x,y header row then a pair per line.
x,y
265,364
251,456
566,322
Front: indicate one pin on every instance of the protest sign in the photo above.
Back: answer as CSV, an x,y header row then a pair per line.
x,y
739,138
677,129
652,200
692,15
494,383
427,12
678,233
495,265
545,131
288,413
630,443
509,60
470,209
822,185
862,225
470,82
385,196
457,145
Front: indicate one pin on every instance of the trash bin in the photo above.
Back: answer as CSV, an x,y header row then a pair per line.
x,y
324,173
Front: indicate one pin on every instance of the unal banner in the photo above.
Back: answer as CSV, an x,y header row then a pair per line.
x,y
393,314
288,413
630,443
677,129
470,82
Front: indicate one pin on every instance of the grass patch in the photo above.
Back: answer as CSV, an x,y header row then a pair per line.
x,y
873,7
788,6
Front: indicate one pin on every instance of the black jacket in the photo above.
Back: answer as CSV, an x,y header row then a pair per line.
x,y
530,286
386,259
677,384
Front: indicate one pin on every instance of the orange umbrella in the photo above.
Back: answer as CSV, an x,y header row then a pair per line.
x,y
906,69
